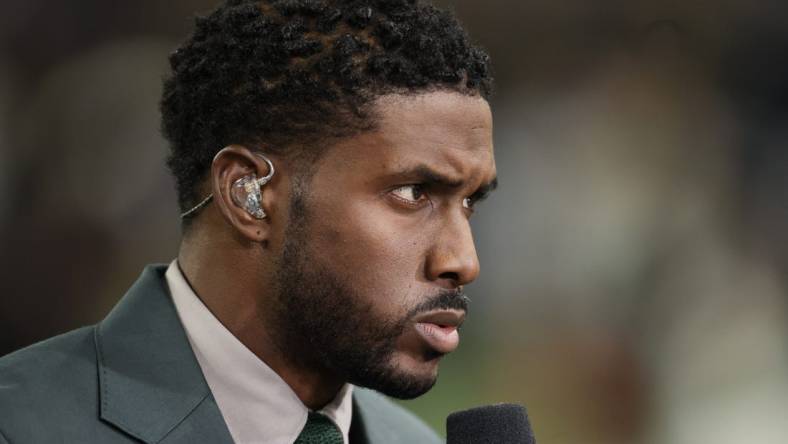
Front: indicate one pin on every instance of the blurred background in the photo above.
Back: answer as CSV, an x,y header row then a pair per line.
x,y
634,280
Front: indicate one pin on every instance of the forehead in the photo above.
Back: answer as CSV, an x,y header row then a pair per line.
x,y
399,112
448,132
440,126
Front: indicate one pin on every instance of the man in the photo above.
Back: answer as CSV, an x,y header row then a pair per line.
x,y
328,157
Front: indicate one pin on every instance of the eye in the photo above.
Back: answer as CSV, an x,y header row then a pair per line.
x,y
411,194
468,203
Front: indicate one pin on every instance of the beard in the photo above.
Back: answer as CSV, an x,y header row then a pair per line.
x,y
325,323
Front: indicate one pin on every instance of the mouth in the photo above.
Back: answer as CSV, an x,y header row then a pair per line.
x,y
439,329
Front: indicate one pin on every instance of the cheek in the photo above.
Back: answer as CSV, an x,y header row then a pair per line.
x,y
375,252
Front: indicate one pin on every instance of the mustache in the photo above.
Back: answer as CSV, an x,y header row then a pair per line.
x,y
444,300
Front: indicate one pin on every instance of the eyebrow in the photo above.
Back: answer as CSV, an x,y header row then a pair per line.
x,y
483,191
430,176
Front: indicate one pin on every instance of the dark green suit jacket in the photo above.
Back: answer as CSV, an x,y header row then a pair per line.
x,y
133,378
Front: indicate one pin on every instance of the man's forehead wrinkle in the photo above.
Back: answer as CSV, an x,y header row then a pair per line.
x,y
454,162
432,131
436,175
425,128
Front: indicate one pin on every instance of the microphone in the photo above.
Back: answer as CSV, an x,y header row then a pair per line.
x,y
491,424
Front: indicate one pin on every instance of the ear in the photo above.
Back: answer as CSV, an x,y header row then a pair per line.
x,y
234,163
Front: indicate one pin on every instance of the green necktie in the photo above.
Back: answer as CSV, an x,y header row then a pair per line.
x,y
319,430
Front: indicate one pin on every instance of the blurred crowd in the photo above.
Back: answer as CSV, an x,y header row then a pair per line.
x,y
634,285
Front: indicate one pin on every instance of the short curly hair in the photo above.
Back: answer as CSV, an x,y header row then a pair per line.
x,y
285,74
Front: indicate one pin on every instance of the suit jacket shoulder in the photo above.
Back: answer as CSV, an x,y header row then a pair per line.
x,y
48,380
131,378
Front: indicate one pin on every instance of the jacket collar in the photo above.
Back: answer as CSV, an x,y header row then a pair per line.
x,y
151,385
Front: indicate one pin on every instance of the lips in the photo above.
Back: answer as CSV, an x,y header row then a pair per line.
x,y
438,329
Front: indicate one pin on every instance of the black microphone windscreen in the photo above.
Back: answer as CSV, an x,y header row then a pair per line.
x,y
492,424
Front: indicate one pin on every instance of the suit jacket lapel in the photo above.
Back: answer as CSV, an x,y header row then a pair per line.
x,y
359,433
370,424
151,385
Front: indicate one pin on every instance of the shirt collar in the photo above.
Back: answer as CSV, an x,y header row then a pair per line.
x,y
257,405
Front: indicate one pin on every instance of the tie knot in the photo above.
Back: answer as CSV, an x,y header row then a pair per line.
x,y
319,430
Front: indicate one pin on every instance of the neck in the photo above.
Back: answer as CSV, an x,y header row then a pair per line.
x,y
235,285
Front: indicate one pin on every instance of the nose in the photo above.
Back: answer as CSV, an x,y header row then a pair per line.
x,y
452,260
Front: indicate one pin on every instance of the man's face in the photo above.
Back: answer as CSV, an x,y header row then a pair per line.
x,y
379,244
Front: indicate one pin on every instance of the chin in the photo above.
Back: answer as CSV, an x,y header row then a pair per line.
x,y
423,366
409,378
406,388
